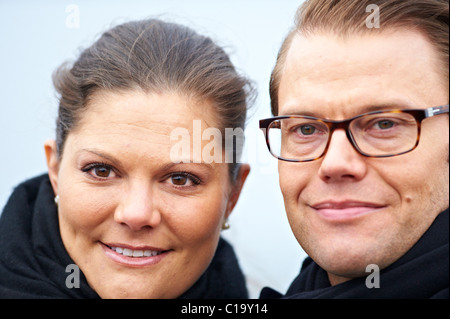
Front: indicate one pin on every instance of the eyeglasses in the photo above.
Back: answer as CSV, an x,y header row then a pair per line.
x,y
375,134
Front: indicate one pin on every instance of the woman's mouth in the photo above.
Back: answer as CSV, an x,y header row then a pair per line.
x,y
134,256
135,253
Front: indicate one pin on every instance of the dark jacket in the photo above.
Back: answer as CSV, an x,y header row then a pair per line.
x,y
423,272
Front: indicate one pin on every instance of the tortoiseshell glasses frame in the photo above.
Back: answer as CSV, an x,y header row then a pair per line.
x,y
309,139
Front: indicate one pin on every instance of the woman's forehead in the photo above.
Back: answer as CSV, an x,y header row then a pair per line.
x,y
167,126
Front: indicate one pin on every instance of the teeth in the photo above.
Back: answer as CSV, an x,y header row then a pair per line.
x,y
135,253
127,252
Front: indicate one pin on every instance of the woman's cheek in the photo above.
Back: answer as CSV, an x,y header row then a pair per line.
x,y
86,207
196,218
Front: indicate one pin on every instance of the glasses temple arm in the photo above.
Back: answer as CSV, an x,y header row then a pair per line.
x,y
432,111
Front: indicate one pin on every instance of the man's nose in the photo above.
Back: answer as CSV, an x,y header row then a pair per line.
x,y
342,162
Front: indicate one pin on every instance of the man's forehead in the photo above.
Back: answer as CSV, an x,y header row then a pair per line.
x,y
362,70
328,52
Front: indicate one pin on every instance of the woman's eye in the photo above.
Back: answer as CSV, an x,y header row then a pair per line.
x,y
184,179
102,171
99,171
179,180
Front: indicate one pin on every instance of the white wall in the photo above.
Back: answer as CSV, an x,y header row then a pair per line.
x,y
37,36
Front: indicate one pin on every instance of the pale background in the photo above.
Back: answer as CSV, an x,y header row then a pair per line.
x,y
37,36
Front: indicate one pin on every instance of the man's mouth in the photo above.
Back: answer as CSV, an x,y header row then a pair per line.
x,y
344,210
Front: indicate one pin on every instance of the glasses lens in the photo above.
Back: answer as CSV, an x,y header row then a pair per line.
x,y
385,134
299,139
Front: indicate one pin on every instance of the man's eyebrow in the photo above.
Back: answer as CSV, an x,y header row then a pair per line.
x,y
358,109
385,107
300,112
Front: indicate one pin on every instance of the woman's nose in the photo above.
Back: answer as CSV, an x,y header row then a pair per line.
x,y
342,162
138,209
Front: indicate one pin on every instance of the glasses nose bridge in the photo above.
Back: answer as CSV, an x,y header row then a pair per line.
x,y
344,125
334,125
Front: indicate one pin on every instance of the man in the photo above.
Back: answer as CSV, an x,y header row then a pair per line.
x,y
360,94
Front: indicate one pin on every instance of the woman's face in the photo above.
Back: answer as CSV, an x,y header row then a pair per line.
x,y
137,224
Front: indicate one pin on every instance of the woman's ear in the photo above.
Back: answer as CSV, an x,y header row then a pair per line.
x,y
52,163
244,170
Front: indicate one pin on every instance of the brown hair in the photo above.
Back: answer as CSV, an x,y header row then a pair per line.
x,y
345,17
154,56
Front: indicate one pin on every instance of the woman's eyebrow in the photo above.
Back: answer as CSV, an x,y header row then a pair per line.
x,y
171,165
99,153
167,166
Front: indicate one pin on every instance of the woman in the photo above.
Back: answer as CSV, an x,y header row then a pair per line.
x,y
122,213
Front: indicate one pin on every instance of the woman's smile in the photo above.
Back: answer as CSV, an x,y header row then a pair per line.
x,y
134,256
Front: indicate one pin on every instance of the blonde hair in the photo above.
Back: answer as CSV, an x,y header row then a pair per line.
x,y
347,17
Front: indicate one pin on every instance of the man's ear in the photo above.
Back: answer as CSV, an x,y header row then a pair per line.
x,y
52,163
244,170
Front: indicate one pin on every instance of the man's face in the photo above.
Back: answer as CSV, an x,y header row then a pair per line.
x,y
346,210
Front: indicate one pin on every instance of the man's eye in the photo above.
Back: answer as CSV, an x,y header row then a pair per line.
x,y
307,129
385,124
